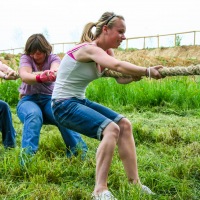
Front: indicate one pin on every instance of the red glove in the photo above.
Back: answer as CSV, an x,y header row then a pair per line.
x,y
46,76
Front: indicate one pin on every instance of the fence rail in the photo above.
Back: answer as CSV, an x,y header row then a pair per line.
x,y
154,42
176,41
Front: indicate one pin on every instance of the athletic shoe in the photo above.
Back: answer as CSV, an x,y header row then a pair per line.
x,y
146,190
105,195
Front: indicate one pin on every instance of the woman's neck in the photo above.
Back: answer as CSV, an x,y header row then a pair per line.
x,y
100,44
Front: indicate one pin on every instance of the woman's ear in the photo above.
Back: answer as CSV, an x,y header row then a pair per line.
x,y
104,29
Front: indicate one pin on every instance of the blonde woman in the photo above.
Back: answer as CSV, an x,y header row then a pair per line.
x,y
80,66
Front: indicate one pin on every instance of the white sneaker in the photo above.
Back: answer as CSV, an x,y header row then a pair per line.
x,y
146,190
105,195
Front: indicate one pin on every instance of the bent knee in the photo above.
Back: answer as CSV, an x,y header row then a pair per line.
x,y
112,130
125,124
35,117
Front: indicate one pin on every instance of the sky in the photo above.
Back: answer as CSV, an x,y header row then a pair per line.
x,y
63,20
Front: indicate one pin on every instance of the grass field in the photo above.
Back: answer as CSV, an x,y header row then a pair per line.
x,y
167,138
165,117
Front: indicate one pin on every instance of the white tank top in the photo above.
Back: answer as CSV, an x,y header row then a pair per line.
x,y
73,77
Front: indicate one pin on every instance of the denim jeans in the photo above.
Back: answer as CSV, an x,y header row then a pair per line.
x,y
6,126
84,116
34,111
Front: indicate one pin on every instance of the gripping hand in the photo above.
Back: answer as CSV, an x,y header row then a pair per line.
x,y
46,76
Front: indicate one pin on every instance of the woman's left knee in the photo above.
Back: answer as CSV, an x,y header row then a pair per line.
x,y
125,124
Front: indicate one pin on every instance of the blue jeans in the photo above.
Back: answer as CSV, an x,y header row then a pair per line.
x,y
34,111
6,126
84,116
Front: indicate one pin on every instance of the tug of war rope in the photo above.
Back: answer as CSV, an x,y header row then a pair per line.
x,y
165,71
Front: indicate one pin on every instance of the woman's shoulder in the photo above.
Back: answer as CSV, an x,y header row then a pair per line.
x,y
25,56
53,57
78,46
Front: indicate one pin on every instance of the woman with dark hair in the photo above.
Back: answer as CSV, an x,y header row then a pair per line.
x,y
37,71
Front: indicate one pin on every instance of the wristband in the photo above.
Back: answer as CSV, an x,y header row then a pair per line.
x,y
148,72
38,78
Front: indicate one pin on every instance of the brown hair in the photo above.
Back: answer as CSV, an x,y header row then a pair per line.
x,y
108,18
37,42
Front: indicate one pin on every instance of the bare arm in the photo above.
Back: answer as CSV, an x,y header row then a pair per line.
x,y
124,79
54,66
98,55
29,77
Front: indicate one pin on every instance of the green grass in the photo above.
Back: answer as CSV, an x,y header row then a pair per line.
x,y
175,92
165,117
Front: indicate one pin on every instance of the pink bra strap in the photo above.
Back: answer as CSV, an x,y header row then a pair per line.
x,y
70,52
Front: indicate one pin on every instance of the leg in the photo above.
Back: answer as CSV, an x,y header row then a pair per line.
x,y
30,115
104,156
87,117
127,150
73,141
8,131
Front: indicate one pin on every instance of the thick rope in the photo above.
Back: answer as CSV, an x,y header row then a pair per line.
x,y
180,71
114,74
165,71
